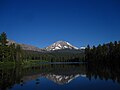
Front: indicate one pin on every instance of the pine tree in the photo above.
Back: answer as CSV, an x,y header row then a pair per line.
x,y
12,52
3,46
0,53
0,48
18,53
3,39
87,53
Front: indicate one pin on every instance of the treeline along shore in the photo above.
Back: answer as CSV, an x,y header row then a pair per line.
x,y
106,53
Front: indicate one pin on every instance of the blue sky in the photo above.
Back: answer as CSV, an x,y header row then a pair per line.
x,y
43,22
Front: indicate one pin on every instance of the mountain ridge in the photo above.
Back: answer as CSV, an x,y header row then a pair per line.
x,y
25,46
59,45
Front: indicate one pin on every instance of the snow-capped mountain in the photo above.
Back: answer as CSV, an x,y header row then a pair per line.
x,y
63,79
58,79
60,45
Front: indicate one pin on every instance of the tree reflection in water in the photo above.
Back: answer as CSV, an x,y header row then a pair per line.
x,y
60,73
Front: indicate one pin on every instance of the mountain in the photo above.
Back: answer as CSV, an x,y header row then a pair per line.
x,y
58,79
11,42
25,46
63,79
82,48
60,45
29,47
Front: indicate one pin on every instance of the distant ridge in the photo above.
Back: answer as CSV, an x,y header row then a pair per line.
x,y
59,45
25,46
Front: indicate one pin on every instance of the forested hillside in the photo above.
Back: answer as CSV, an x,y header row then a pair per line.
x,y
14,53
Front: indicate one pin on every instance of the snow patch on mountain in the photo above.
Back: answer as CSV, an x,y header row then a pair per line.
x,y
60,45
82,47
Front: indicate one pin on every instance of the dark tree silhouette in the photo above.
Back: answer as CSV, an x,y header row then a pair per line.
x,y
106,53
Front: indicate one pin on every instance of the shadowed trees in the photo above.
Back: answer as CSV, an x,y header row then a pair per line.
x,y
9,52
106,53
3,46
53,56
3,39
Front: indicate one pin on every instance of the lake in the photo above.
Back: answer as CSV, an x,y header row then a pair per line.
x,y
61,76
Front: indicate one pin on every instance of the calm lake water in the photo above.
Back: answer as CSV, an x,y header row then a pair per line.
x,y
60,77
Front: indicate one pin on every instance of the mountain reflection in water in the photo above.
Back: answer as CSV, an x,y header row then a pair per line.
x,y
60,74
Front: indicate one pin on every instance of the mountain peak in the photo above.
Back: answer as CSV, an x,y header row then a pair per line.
x,y
60,45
